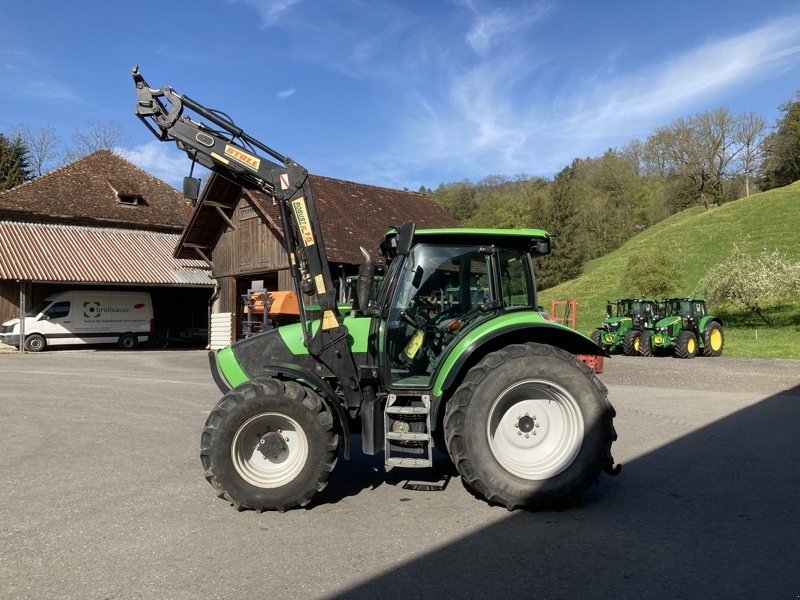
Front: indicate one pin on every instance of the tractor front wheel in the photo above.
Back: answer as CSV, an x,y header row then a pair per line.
x,y
269,445
630,343
645,345
713,339
687,345
530,427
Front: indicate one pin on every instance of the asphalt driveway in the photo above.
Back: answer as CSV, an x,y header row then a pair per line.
x,y
103,497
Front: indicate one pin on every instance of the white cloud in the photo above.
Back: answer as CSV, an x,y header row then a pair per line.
x,y
161,160
283,94
498,117
503,22
269,10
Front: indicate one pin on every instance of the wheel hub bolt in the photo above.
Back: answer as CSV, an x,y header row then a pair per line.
x,y
527,425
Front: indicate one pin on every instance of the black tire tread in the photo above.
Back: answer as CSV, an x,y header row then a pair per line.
x,y
456,417
246,392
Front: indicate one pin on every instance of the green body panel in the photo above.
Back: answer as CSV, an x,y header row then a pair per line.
x,y
614,330
243,360
517,233
229,367
484,330
667,338
357,334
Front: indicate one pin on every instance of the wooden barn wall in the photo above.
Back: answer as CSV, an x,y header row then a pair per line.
x,y
250,248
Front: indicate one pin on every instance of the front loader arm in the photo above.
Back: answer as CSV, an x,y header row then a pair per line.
x,y
228,151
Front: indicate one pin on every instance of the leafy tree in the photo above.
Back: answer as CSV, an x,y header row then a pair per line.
x,y
751,281
14,168
782,148
701,154
458,199
652,275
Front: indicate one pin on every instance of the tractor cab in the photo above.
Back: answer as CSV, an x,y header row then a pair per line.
x,y
442,284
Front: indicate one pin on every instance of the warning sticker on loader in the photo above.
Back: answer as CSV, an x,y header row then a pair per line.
x,y
301,215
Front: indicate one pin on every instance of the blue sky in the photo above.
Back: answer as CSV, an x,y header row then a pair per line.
x,y
401,93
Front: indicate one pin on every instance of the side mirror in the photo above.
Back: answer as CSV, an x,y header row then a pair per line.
x,y
191,189
608,310
405,237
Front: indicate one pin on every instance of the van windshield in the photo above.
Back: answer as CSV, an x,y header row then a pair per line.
x,y
38,308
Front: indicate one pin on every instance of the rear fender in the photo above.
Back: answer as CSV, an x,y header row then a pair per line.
x,y
468,353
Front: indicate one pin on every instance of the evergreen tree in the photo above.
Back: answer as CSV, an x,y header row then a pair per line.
x,y
563,219
782,148
14,167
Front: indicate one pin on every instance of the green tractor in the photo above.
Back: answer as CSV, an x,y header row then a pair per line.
x,y
687,329
628,322
451,351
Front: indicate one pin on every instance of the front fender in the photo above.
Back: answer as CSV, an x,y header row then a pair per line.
x,y
505,330
228,374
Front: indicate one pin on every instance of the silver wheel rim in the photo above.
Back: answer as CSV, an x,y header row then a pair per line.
x,y
535,429
263,472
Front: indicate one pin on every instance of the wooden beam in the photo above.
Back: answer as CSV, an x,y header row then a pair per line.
x,y
226,218
202,255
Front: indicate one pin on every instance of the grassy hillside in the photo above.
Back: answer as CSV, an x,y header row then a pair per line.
x,y
698,239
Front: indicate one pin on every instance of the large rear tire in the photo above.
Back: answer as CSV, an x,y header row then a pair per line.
x,y
713,340
269,445
530,427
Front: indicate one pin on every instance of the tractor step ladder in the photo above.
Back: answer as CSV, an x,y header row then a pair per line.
x,y
407,427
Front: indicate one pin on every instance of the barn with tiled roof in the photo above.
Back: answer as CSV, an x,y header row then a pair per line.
x,y
104,223
239,233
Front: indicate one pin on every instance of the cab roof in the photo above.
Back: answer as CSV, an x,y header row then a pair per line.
x,y
537,241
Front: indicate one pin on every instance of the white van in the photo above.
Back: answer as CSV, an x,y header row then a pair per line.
x,y
84,317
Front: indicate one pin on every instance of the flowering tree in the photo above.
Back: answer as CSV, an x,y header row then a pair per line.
x,y
750,281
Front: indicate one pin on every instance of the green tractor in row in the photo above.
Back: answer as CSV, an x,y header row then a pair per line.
x,y
626,320
686,330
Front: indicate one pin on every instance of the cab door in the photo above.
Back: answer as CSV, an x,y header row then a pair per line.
x,y
440,291
56,323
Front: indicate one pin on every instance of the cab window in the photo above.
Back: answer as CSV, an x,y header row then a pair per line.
x,y
57,310
441,290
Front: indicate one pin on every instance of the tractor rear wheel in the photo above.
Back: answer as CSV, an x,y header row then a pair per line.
x,y
645,347
530,427
713,339
687,345
630,343
597,336
269,445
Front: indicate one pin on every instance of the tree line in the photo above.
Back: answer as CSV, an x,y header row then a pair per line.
x,y
595,204
27,153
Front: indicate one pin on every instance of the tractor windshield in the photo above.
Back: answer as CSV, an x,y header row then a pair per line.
x,y
628,308
440,290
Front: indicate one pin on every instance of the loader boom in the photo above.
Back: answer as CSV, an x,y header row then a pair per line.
x,y
227,150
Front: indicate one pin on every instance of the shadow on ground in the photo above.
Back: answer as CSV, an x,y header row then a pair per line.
x,y
711,515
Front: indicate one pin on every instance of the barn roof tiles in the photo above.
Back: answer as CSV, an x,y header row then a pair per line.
x,y
101,189
47,252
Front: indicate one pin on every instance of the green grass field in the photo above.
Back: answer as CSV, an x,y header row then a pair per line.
x,y
697,239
